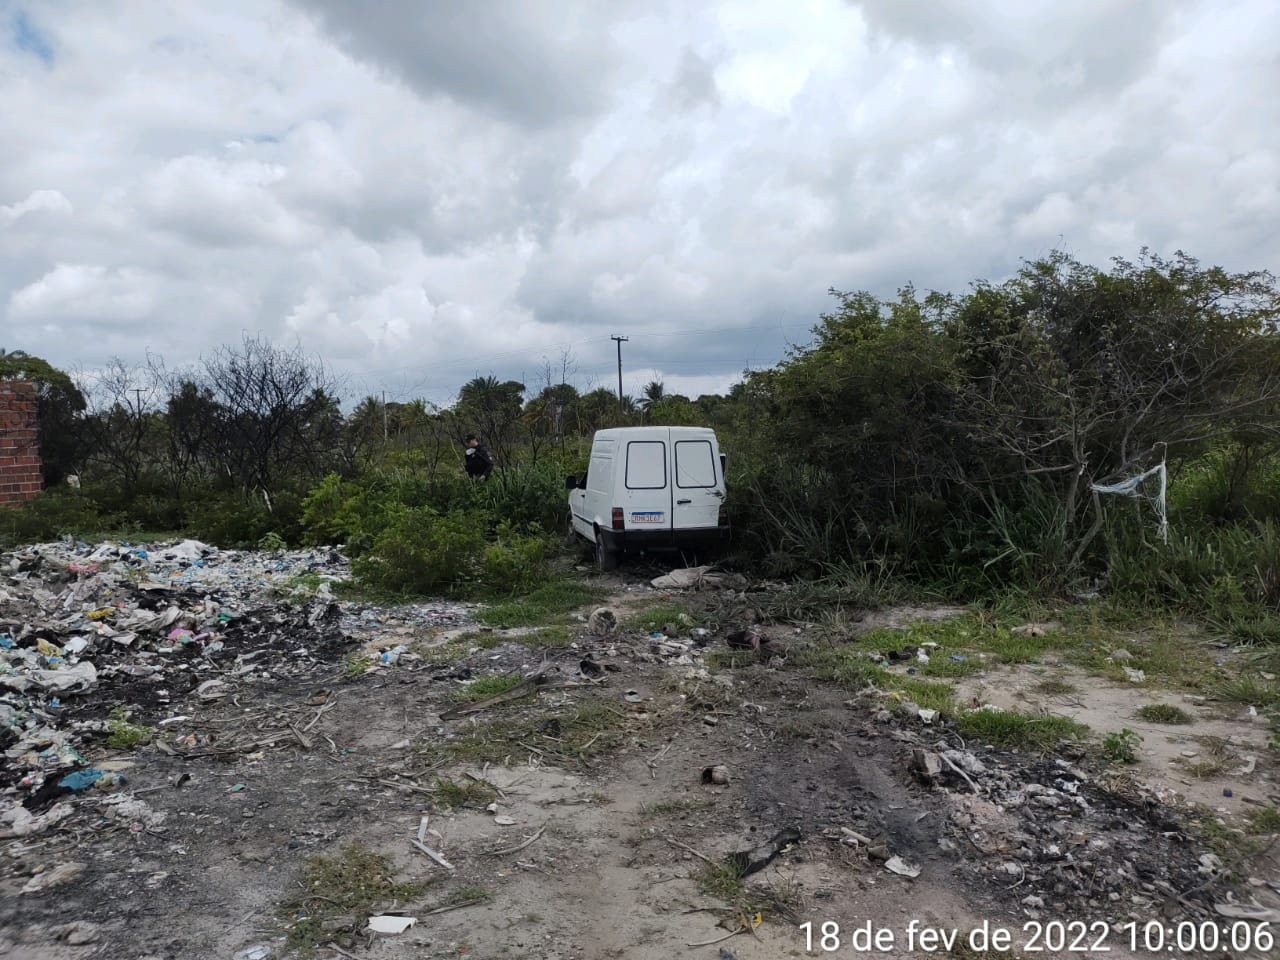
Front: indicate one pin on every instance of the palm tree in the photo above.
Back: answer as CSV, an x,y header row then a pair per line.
x,y
653,394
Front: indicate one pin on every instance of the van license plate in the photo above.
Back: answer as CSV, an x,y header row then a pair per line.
x,y
650,516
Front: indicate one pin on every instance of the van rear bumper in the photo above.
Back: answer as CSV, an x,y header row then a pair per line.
x,y
638,541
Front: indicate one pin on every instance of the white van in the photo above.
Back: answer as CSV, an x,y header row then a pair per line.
x,y
650,489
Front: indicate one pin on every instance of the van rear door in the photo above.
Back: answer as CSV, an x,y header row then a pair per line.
x,y
647,482
697,489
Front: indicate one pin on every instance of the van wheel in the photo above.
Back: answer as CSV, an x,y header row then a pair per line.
x,y
606,559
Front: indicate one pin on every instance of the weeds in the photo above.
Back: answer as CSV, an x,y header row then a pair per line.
x,y
547,638
843,587
348,886
1055,687
1264,821
1248,691
1008,728
656,617
122,734
1121,747
849,668
1216,758
356,665
541,606
672,808
467,896
721,879
485,687
579,733
1163,713
930,696
463,793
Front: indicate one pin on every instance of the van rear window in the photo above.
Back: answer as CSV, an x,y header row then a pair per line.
x,y
695,466
646,465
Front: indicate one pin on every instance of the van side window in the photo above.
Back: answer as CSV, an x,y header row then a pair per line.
x,y
646,465
695,466
597,477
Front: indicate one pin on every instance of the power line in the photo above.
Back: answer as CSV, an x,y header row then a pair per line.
x,y
468,361
477,362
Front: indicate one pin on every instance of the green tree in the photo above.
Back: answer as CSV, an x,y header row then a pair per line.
x,y
492,409
652,394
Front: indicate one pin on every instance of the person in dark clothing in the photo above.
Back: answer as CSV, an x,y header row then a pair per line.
x,y
479,460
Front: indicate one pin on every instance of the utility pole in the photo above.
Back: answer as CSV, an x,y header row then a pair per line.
x,y
620,342
384,416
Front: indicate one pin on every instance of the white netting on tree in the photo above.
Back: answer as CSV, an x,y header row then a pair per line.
x,y
1134,486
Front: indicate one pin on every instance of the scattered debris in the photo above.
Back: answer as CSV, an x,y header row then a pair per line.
x,y
749,638
516,849
747,862
390,923
78,933
602,622
1252,911
856,838
717,774
59,875
698,578
526,687
899,866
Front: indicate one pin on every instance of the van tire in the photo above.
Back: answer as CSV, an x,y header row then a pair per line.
x,y
606,559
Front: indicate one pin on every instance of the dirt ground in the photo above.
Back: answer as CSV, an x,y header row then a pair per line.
x,y
588,830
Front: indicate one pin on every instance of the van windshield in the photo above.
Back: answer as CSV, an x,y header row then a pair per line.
x,y
695,466
646,465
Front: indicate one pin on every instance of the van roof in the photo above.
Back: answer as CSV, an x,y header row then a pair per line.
x,y
653,433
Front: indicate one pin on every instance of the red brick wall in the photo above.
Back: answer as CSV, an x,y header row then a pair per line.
x,y
19,442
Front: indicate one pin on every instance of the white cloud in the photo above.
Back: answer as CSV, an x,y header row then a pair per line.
x,y
423,193
92,292
48,201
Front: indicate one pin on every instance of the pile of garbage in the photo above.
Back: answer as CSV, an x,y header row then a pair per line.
x,y
99,640
1068,843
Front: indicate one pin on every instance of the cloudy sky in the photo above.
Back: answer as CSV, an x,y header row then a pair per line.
x,y
421,192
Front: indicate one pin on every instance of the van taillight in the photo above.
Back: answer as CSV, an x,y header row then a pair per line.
x,y
723,518
617,518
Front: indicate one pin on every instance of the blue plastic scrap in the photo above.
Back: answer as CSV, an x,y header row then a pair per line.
x,y
82,779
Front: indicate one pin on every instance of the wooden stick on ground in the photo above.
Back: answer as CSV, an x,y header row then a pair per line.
x,y
516,849
685,846
524,688
973,786
709,943
320,713
433,855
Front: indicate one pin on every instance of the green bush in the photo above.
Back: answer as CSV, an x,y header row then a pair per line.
x,y
230,520
54,514
514,563
1230,575
329,513
421,551
513,505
